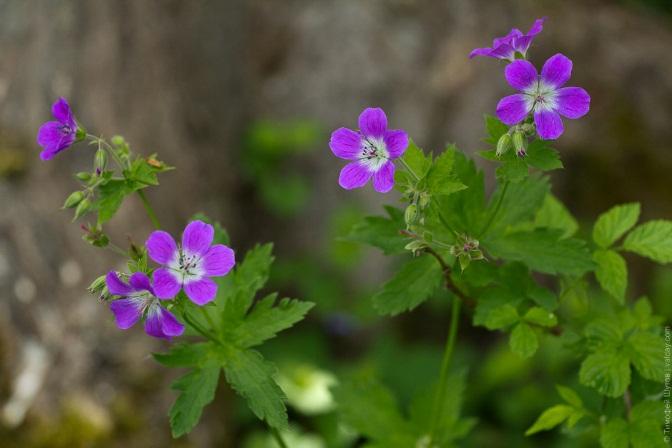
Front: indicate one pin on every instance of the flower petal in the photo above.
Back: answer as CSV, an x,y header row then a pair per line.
x,y
126,312
139,281
480,52
556,70
396,141
504,51
62,112
549,124
536,27
521,74
573,102
513,109
373,122
354,175
497,41
201,291
54,139
166,283
161,247
346,143
218,260
197,237
383,179
169,324
116,286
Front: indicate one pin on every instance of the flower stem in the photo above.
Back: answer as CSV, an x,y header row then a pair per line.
x,y
207,316
445,364
149,209
408,168
278,438
492,216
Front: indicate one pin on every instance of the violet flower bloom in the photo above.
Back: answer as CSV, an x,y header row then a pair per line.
x,y
190,265
55,136
371,151
506,47
543,96
138,300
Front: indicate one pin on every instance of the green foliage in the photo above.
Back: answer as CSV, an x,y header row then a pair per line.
x,y
196,390
613,224
554,215
652,240
523,340
611,272
417,280
643,430
381,232
571,412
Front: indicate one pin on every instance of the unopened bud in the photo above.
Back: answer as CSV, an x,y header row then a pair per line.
x,y
100,161
503,144
97,285
411,213
83,207
73,200
519,143
83,176
424,199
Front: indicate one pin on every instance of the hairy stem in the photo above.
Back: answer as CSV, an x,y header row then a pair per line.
x,y
493,215
149,209
278,438
408,168
627,399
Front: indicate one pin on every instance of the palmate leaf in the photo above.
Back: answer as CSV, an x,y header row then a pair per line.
x,y
516,203
417,280
197,389
554,215
441,178
381,232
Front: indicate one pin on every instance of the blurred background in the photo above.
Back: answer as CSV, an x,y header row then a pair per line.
x,y
241,96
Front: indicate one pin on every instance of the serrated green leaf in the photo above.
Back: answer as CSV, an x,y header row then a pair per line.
x,y
252,377
542,156
185,355
652,240
197,389
613,224
604,330
501,317
543,251
514,170
513,204
266,320
495,129
615,434
416,159
611,273
644,350
608,371
464,209
441,178
541,317
554,215
645,425
383,233
417,280
110,196
550,418
569,396
543,297
523,340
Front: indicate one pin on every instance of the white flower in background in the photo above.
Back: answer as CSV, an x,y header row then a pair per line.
x,y
307,388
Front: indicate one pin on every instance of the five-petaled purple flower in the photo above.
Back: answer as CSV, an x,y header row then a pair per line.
x,y
190,265
506,47
371,151
543,96
55,136
138,300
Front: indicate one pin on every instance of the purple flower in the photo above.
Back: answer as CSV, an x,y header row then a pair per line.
x,y
55,136
371,151
543,96
506,47
138,300
190,265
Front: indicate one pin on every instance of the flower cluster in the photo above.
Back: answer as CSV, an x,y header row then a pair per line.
x,y
542,97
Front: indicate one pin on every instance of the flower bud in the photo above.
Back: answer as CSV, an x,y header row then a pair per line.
x,y
74,199
503,144
100,161
411,213
519,143
83,207
83,176
423,200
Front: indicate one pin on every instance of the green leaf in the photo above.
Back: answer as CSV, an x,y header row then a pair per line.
x,y
252,377
613,224
543,251
645,351
501,317
417,280
185,355
523,340
441,178
197,389
266,320
541,317
608,371
495,129
550,418
615,434
370,408
569,396
513,170
464,209
554,215
604,330
542,297
542,156
416,159
513,204
652,240
611,273
111,195
645,425
381,232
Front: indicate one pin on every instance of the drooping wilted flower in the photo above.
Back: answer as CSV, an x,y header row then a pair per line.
x,y
138,300
506,47
371,151
543,96
56,136
190,265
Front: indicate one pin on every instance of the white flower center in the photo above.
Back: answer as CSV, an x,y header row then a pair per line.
x,y
187,265
541,96
374,153
143,300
